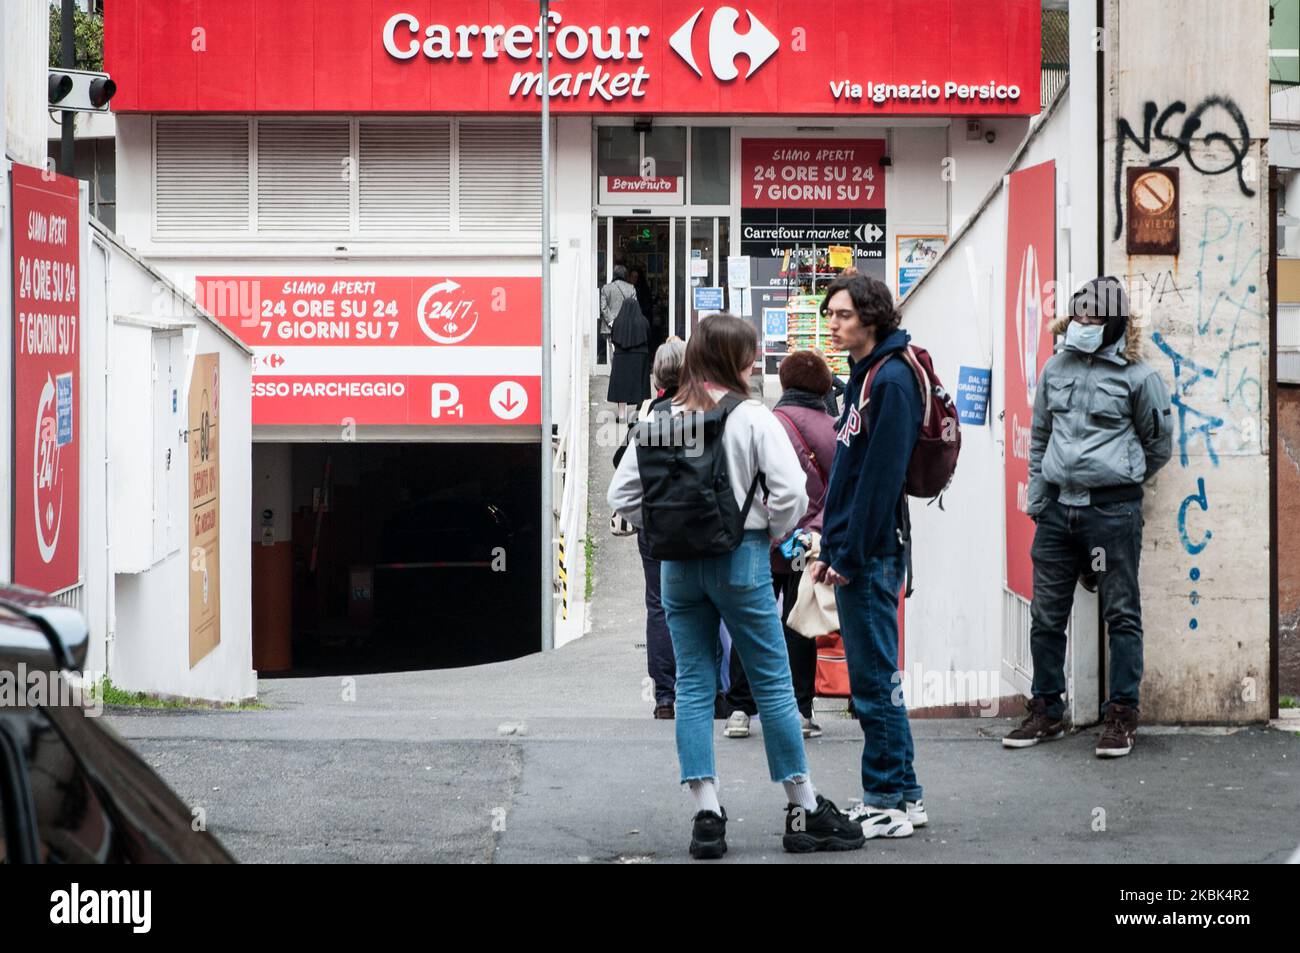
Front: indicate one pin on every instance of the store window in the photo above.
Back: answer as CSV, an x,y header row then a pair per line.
x,y
710,166
618,151
621,150
665,150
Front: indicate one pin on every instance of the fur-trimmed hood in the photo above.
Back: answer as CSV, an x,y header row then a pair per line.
x,y
1133,350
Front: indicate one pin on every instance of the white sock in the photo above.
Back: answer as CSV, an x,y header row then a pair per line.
x,y
800,791
705,793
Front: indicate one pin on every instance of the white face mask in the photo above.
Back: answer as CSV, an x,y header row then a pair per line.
x,y
1084,337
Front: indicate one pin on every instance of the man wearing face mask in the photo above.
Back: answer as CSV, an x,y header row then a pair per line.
x,y
1101,429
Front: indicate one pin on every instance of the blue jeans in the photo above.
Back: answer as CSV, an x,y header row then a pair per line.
x,y
1104,538
735,588
658,643
868,609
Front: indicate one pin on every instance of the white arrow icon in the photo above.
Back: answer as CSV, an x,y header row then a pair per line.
x,y
869,234
508,400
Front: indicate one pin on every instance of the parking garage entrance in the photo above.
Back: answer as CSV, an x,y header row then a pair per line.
x,y
394,556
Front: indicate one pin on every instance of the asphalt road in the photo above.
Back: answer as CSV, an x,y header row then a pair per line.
x,y
556,758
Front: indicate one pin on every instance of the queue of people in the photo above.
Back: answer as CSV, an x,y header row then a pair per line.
x,y
795,474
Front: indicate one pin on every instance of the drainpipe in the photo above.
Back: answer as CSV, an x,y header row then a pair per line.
x,y
110,588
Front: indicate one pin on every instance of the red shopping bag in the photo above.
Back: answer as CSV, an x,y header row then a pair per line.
x,y
832,679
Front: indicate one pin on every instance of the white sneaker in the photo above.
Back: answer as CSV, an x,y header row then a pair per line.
x,y
881,821
811,729
737,725
916,813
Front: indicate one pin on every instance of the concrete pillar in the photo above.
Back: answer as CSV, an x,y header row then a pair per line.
x,y
1185,87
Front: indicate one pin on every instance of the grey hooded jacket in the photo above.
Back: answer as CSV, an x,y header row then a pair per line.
x,y
1102,424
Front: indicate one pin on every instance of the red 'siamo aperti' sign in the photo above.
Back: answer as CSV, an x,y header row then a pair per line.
x,y
437,350
47,355
812,173
840,57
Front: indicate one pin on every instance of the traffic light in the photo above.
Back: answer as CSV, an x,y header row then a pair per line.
x,y
60,86
80,90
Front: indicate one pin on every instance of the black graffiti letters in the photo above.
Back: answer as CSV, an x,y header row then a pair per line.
x,y
1219,114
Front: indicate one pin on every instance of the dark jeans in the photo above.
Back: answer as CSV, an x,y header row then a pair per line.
x,y
1106,539
660,665
869,628
801,649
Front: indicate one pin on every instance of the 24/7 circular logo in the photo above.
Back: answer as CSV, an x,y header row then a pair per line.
x,y
444,316
47,473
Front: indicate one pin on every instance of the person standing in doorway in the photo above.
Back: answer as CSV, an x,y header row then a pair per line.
x,y
862,551
612,296
1101,428
747,447
629,374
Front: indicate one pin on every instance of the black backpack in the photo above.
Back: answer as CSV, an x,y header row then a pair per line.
x,y
688,508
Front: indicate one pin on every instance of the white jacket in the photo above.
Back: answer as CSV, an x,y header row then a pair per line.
x,y
754,440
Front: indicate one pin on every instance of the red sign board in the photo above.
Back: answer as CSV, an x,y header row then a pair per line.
x,y
437,350
47,355
1030,307
773,57
812,173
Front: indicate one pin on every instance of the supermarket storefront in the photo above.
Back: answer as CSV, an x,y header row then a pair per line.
x,y
357,192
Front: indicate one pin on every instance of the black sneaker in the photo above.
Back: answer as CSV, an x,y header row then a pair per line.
x,y
1037,726
827,828
709,835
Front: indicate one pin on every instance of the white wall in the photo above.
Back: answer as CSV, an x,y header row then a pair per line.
x,y
977,164
145,623
954,620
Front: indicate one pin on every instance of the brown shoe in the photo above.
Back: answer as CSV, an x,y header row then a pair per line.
x,y
1038,726
665,712
1119,731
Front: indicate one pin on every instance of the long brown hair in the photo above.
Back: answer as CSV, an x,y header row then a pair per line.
x,y
719,353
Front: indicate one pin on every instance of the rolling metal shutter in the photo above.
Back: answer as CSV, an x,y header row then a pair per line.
x,y
304,176
500,176
405,176
201,176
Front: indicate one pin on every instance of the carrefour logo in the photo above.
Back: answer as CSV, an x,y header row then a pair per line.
x,y
726,43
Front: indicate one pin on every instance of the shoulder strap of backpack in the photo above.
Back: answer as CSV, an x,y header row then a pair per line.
x,y
727,403
908,354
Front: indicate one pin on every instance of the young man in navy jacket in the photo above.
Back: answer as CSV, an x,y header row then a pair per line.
x,y
862,542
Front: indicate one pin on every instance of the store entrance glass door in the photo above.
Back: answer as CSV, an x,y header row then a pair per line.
x,y
663,266
642,245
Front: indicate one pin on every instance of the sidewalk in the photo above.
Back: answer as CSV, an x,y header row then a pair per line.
x,y
556,758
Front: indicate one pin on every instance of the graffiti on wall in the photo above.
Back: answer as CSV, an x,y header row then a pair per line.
x,y
1211,334
1217,395
1216,120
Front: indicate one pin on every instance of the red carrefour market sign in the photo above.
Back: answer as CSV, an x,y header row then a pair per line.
x,y
437,350
760,57
46,401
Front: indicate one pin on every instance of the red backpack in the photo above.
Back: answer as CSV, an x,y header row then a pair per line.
x,y
934,456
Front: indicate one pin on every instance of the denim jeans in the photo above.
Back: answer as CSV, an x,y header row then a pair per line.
x,y
658,643
801,650
735,588
868,609
1105,538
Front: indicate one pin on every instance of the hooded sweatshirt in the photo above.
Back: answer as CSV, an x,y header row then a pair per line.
x,y
865,500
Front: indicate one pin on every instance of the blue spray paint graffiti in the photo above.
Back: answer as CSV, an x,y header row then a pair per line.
x,y
1217,391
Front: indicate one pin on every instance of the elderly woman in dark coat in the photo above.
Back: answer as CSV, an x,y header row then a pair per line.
x,y
629,375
